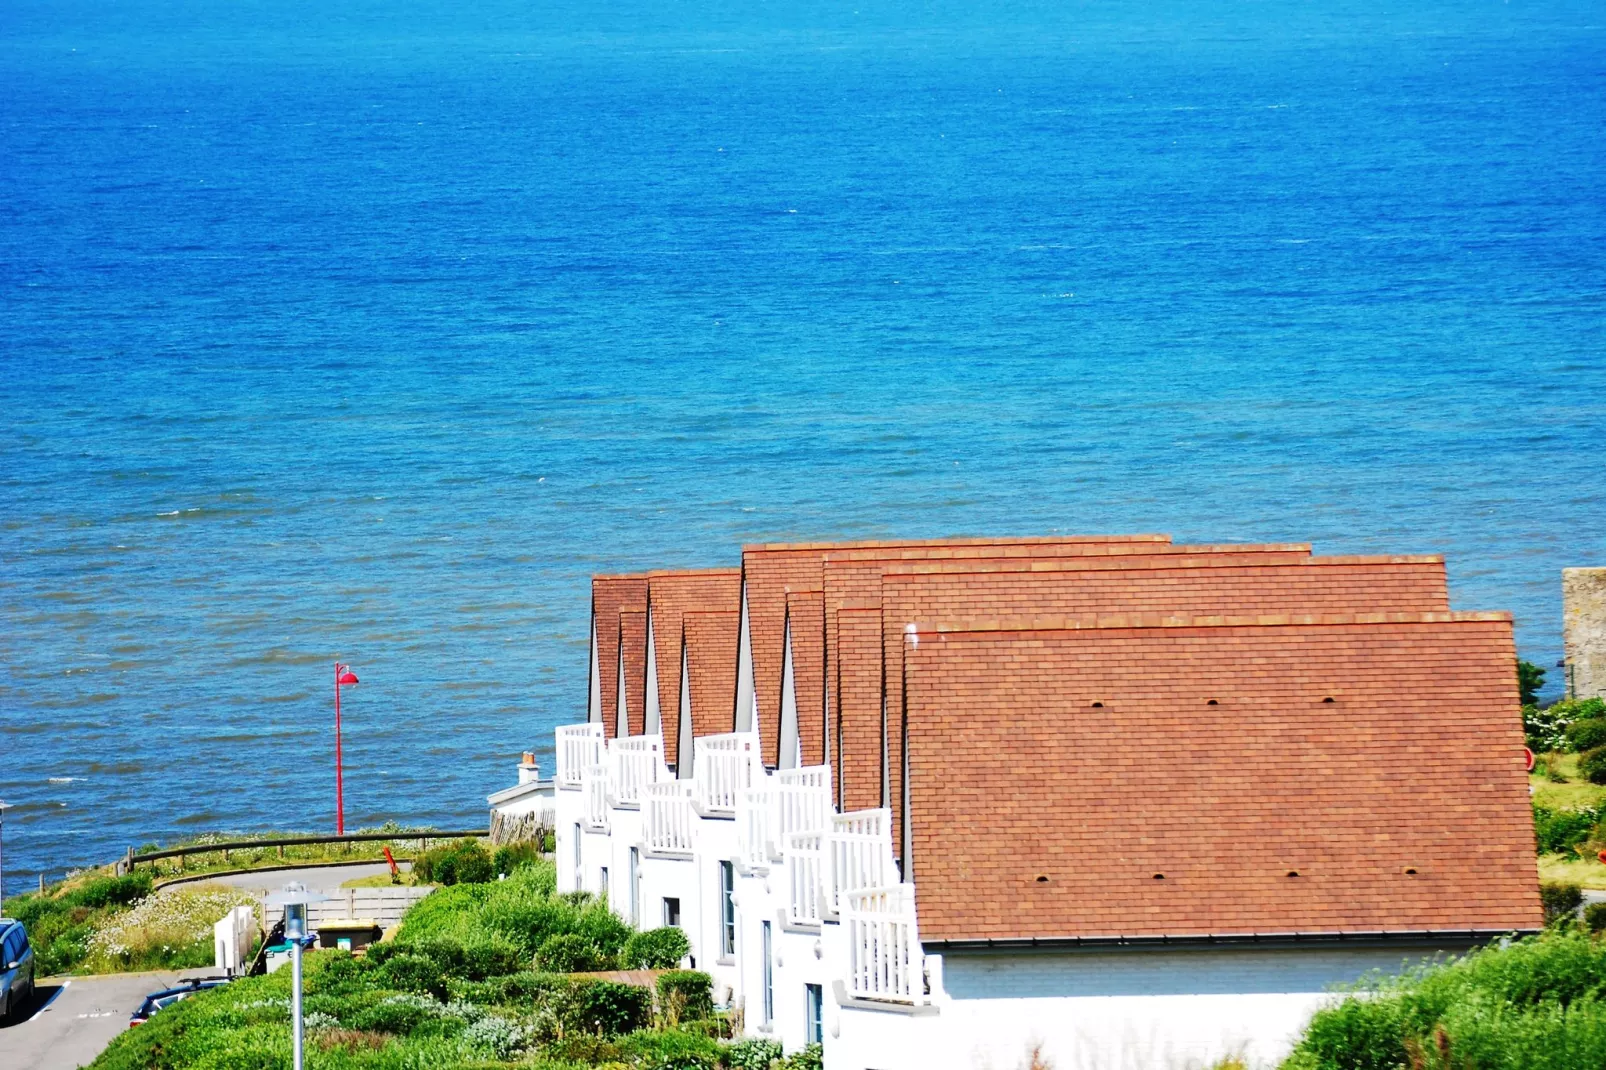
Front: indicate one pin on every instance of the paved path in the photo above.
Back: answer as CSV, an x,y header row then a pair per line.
x,y
73,1019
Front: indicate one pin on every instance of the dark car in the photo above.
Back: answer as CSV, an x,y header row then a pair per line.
x,y
169,996
16,969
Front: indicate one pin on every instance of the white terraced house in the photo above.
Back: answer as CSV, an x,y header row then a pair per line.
x,y
1117,801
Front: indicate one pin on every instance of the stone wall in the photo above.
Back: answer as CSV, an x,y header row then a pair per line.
x,y
1583,631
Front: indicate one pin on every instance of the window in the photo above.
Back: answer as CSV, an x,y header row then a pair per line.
x,y
672,911
635,887
769,978
813,1015
602,883
579,873
727,909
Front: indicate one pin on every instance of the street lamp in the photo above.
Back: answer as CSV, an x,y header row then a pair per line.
x,y
4,806
295,899
343,677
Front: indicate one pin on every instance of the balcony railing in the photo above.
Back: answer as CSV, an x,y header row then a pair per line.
x,y
668,820
860,854
803,799
884,957
756,838
580,746
595,784
637,761
724,766
805,865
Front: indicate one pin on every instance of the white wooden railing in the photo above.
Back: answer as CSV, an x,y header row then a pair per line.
x,y
805,865
756,839
637,762
884,957
860,855
724,766
595,785
668,821
580,746
803,799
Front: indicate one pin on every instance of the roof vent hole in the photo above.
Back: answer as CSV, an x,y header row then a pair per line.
x,y
1410,871
1212,702
1098,705
1329,698
1159,876
1042,880
1293,873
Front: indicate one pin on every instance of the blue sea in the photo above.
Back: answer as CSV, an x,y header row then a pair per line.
x,y
371,330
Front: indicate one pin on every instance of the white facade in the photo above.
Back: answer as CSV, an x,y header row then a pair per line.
x,y
736,850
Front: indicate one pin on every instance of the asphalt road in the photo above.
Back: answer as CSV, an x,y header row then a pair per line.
x,y
73,1019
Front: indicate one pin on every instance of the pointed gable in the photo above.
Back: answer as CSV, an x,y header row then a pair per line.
x,y
633,649
670,596
611,596
711,667
806,623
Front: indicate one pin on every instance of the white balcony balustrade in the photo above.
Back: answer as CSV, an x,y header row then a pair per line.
x,y
805,867
725,766
637,762
859,850
597,786
884,958
580,746
756,839
803,799
669,821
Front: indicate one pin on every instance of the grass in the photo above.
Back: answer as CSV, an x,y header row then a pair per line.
x,y
380,880
454,991
1555,783
1584,872
403,848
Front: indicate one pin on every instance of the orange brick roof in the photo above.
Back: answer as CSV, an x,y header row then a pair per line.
x,y
1087,751
773,571
610,595
1188,584
670,596
806,615
711,640
633,639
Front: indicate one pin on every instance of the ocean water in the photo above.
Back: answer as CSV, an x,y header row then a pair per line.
x,y
371,330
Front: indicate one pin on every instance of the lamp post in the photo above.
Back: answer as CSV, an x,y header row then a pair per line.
x,y
4,806
343,677
294,899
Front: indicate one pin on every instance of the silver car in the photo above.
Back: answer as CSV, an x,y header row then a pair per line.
x,y
16,969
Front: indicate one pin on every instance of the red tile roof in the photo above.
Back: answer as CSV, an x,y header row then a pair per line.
x,y
1087,751
711,666
806,617
609,596
670,596
633,638
1176,583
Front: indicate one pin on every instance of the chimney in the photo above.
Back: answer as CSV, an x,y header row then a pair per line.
x,y
529,772
1583,631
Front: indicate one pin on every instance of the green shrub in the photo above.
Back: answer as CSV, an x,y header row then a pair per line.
x,y
459,862
1586,735
811,1057
1595,917
1592,765
112,891
669,1051
510,856
1560,900
412,973
754,1053
685,996
398,1015
526,989
607,1008
1530,678
655,949
570,953
1563,831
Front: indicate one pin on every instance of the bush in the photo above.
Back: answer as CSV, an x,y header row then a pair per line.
x,y
1560,900
523,911
412,973
1587,734
754,1053
670,1051
1592,765
112,891
510,856
685,996
812,1057
607,1008
1564,830
655,949
1595,917
459,862
1530,678
570,953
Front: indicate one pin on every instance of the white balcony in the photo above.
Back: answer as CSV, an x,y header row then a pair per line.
x,y
756,839
725,766
805,866
885,962
669,821
597,785
637,762
580,746
803,799
860,855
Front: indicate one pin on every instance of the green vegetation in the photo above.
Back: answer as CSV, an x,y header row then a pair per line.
x,y
1530,678
1537,1004
459,862
62,920
403,847
456,989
